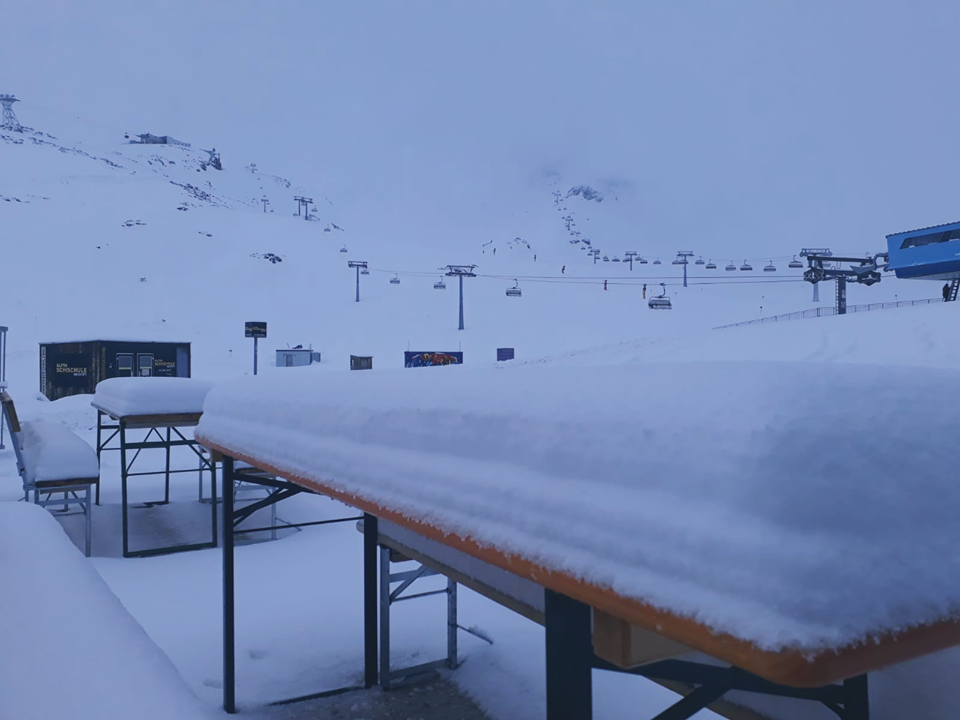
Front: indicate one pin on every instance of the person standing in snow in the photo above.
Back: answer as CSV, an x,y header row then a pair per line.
x,y
534,258
563,270
604,284
946,292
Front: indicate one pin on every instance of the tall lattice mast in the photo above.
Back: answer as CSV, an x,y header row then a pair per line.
x,y
10,121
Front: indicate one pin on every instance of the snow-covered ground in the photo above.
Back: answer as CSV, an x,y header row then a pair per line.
x,y
736,135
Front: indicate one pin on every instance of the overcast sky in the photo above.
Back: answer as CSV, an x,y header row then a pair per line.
x,y
768,122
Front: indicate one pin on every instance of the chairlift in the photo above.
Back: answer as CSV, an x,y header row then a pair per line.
x,y
364,271
606,259
661,301
770,268
343,249
746,267
616,259
677,261
699,261
643,261
657,262
731,267
395,280
711,265
440,285
795,264
515,290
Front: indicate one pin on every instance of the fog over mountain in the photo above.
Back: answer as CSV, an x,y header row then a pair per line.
x,y
768,126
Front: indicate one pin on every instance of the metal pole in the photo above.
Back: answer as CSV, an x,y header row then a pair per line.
x,y
684,272
123,487
816,292
255,356
229,625
461,302
358,283
370,595
3,376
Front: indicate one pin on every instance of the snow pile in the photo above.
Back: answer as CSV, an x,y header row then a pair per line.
x,y
53,452
121,397
812,510
84,655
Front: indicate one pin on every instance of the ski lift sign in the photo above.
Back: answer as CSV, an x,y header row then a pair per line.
x,y
255,330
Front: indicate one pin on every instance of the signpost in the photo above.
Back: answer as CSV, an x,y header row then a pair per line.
x,y
255,330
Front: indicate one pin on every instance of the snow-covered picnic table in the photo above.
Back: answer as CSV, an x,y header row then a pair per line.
x,y
795,520
142,401
162,407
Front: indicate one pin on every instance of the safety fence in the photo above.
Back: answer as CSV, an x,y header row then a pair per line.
x,y
827,311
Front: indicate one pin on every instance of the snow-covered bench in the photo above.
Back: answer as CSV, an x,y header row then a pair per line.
x,y
97,660
52,460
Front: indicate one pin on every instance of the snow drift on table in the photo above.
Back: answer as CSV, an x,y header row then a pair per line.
x,y
792,505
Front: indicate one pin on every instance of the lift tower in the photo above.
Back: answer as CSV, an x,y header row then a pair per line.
x,y
9,121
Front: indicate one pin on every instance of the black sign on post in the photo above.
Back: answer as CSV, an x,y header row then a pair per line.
x,y
255,330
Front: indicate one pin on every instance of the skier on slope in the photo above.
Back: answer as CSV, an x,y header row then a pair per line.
x,y
563,270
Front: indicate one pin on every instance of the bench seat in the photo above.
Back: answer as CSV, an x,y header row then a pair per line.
x,y
69,647
51,460
54,457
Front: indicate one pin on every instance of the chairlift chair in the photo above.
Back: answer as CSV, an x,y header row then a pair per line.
x,y
770,268
440,285
364,271
515,290
395,280
616,259
746,267
657,262
661,301
795,264
731,267
606,259
643,261
699,261
343,249
711,265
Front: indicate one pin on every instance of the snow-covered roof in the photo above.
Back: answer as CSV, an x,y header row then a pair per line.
x,y
792,505
61,341
123,397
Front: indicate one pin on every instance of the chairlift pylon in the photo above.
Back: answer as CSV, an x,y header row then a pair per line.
x,y
711,265
661,301
515,290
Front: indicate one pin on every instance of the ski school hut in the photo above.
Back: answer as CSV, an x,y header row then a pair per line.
x,y
74,368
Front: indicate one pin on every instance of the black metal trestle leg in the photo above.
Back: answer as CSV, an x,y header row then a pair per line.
x,y
229,647
856,704
370,597
569,649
